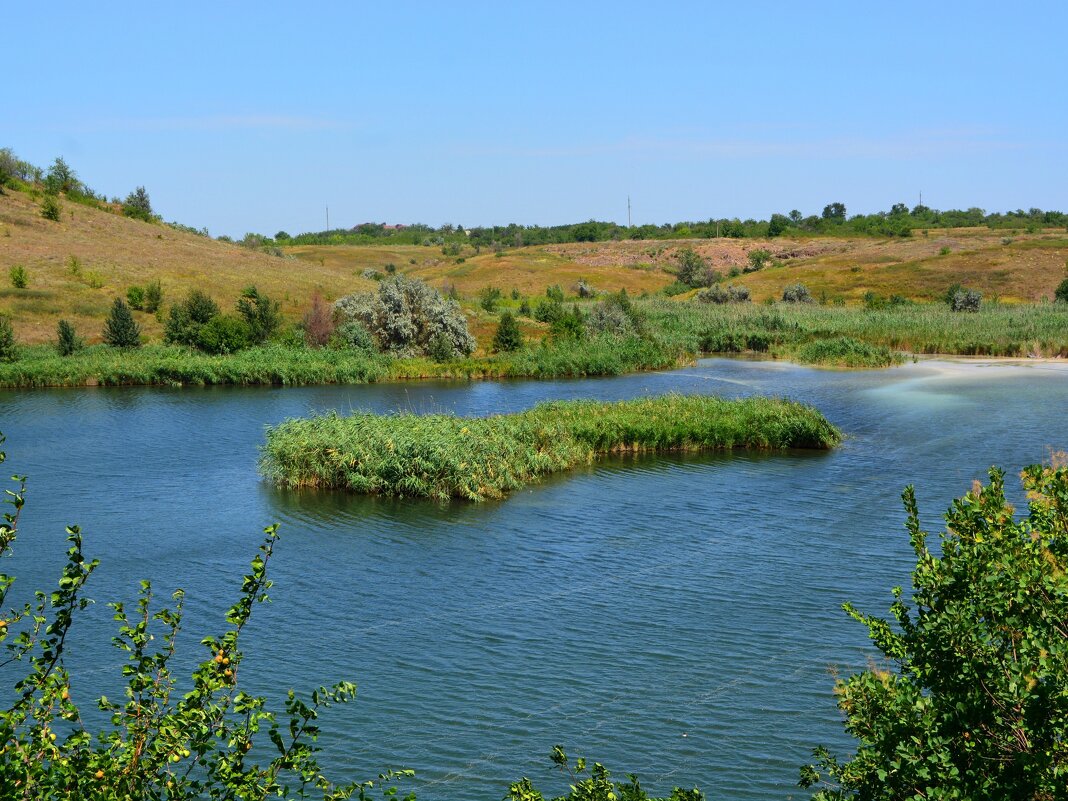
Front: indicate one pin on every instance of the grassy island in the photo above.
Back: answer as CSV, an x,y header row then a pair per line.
x,y
443,456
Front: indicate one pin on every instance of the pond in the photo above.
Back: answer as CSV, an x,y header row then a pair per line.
x,y
674,616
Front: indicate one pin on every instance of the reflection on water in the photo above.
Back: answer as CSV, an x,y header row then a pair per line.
x,y
672,615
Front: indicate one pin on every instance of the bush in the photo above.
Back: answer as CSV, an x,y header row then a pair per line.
x,y
353,336
224,334
971,703
570,325
965,300
135,296
758,260
584,290
797,293
1061,292
548,311
138,206
186,318
120,330
405,314
524,308
554,292
488,297
440,347
318,323
713,294
508,337
261,314
8,350
19,277
616,316
50,208
67,340
153,297
738,294
693,270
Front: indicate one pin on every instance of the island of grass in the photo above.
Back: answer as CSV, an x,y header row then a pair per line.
x,y
443,456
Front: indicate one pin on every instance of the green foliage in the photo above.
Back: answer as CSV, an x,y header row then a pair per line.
x,y
405,315
50,208
597,786
440,348
972,702
1061,292
548,310
569,326
758,260
779,224
554,293
945,250
676,288
717,294
138,206
224,333
135,296
836,212
694,270
508,337
524,308
8,349
616,315
67,340
169,738
440,456
19,276
962,299
262,314
353,336
120,330
61,178
797,293
488,298
153,297
846,352
186,318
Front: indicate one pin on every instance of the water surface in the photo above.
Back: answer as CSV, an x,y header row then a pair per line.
x,y
676,616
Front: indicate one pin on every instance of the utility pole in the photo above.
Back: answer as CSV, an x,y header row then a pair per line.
x,y
628,212
921,197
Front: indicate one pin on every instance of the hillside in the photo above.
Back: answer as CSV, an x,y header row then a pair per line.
x,y
113,252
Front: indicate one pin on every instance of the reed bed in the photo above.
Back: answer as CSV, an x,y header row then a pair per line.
x,y
442,456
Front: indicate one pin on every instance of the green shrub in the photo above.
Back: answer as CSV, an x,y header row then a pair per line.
x,y
569,326
67,340
968,699
844,352
223,334
555,293
153,297
262,314
965,300
50,208
135,296
186,318
1061,292
440,347
758,260
138,206
120,330
548,311
8,349
508,337
353,336
524,308
488,298
19,277
797,293
693,270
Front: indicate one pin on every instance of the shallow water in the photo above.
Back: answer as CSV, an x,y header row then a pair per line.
x,y
674,616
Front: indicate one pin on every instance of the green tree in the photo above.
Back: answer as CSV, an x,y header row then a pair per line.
x,y
61,178
67,339
138,205
693,269
153,296
120,330
488,297
135,296
508,337
835,212
262,314
19,276
50,208
973,700
186,318
778,225
8,349
1061,292
224,333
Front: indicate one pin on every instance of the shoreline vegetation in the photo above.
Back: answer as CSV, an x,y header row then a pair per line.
x,y
675,333
442,456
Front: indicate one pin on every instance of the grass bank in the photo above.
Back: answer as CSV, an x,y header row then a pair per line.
x,y
442,457
786,329
166,365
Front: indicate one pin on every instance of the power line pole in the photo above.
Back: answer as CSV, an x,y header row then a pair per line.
x,y
629,225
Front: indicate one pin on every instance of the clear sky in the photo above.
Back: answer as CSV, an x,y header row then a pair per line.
x,y
253,116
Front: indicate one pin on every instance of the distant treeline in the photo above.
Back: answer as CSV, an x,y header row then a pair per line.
x,y
898,221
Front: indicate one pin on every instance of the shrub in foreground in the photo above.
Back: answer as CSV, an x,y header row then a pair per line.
x,y
120,330
67,340
970,698
8,350
1061,292
187,317
508,337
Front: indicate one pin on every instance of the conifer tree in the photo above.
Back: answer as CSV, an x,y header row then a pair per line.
x,y
120,330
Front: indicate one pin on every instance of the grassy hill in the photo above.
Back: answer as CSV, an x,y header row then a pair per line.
x,y
78,265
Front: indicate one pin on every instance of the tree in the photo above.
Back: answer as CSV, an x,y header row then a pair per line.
x,y
67,340
693,269
138,206
1061,292
187,317
508,337
973,700
153,296
835,212
120,330
318,323
778,224
262,314
797,293
19,277
8,350
50,208
60,177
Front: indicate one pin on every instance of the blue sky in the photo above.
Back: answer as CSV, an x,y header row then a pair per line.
x,y
255,116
